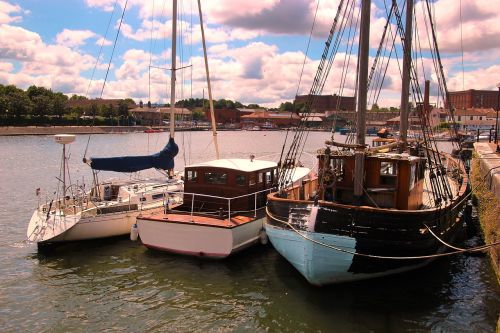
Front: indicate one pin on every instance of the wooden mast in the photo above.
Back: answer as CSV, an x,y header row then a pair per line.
x,y
364,46
405,85
172,80
210,100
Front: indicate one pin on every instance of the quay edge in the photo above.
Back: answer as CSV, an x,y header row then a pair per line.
x,y
485,181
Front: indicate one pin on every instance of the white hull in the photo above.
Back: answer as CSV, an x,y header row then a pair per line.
x,y
198,240
87,228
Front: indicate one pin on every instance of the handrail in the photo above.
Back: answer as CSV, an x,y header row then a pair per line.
x,y
222,198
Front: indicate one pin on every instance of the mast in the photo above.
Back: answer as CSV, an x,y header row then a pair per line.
x,y
405,85
172,80
210,100
364,46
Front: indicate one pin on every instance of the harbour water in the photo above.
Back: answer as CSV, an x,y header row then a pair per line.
x,y
118,285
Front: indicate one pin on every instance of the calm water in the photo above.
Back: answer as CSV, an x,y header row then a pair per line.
x,y
118,285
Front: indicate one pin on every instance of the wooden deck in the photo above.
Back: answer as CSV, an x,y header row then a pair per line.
x,y
201,220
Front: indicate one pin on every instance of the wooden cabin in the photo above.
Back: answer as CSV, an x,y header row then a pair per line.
x,y
228,178
391,180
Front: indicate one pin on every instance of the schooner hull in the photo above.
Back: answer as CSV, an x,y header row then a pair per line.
x,y
321,265
333,243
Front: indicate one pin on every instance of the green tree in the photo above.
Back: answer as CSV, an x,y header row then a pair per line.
x,y
198,114
42,105
287,106
109,111
123,110
253,106
59,104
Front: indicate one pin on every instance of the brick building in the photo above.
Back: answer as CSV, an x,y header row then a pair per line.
x,y
474,99
224,116
328,102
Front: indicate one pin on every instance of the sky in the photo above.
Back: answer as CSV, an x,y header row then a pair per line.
x,y
256,49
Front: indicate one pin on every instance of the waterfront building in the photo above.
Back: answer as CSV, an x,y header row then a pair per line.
x,y
473,99
328,102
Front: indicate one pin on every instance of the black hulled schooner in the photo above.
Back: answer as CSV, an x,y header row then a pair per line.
x,y
373,211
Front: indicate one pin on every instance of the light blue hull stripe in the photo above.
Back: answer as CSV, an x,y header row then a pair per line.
x,y
318,264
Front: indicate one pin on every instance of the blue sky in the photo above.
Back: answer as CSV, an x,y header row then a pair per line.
x,y
256,49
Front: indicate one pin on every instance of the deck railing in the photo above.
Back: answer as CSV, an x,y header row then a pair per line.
x,y
227,200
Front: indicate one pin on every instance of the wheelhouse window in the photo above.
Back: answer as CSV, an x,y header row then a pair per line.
x,y
251,180
241,180
261,177
337,165
269,178
192,176
215,178
388,169
388,173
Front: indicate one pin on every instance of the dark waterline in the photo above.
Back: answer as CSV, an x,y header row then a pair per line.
x,y
118,285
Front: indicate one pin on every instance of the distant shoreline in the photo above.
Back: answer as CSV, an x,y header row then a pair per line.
x,y
52,130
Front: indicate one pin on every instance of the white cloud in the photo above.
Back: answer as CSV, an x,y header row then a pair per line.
x,y
102,41
6,11
73,38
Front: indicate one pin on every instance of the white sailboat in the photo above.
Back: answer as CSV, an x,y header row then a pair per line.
x,y
109,208
223,203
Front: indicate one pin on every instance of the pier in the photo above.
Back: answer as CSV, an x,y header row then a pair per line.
x,y
485,180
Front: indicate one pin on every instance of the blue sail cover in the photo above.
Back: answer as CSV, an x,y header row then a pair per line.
x,y
162,160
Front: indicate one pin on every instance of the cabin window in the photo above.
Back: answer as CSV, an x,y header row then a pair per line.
x,y
338,168
241,180
251,180
269,177
413,172
215,178
261,177
388,168
388,172
192,176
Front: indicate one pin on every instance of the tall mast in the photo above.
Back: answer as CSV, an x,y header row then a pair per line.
x,y
405,88
210,100
364,45
172,80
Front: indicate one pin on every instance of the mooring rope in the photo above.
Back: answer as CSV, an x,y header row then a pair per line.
x,y
474,249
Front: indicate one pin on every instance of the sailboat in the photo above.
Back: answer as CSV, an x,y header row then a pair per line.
x,y
109,208
376,211
223,200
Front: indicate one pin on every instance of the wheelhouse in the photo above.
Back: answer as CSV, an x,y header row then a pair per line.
x,y
228,178
390,180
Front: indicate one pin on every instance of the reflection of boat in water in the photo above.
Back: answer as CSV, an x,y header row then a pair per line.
x,y
374,211
108,209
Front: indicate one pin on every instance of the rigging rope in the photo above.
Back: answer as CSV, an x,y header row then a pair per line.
x,y
333,247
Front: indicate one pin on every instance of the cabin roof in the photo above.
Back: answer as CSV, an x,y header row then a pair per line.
x,y
396,156
245,165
